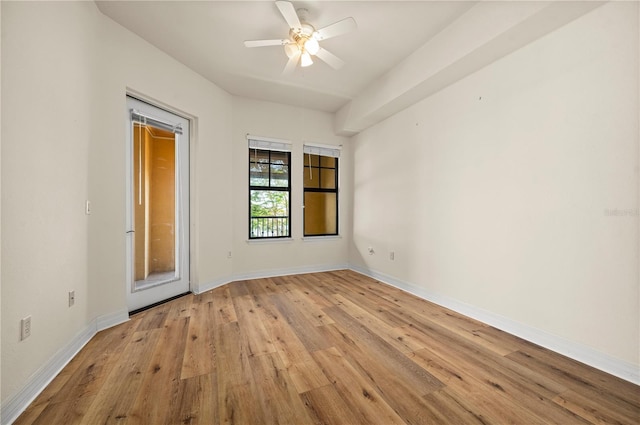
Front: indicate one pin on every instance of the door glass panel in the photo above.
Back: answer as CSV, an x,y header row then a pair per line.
x,y
154,178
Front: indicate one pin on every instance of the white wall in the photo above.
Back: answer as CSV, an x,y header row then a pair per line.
x,y
129,63
71,67
496,202
297,125
46,114
498,190
66,72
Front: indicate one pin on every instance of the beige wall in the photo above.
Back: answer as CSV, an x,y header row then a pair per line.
x,y
163,81
497,194
71,67
45,180
297,125
500,191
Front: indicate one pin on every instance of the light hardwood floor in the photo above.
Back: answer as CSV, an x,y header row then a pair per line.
x,y
323,348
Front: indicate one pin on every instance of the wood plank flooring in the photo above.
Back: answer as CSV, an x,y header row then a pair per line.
x,y
323,348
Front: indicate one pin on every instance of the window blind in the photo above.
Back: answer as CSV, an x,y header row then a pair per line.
x,y
323,150
256,142
144,119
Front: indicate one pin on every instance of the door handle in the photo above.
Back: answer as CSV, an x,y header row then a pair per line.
x,y
131,231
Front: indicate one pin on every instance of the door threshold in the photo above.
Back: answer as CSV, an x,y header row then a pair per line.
x,y
140,310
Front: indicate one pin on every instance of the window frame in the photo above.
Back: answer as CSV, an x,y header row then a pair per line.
x,y
269,188
335,190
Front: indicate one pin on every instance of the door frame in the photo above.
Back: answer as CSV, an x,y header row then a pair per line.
x,y
189,175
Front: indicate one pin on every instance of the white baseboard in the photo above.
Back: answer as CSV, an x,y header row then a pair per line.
x,y
207,286
112,319
15,405
289,271
568,348
269,273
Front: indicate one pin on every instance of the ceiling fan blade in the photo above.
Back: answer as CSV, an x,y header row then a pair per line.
x,y
338,28
263,43
291,64
332,60
289,14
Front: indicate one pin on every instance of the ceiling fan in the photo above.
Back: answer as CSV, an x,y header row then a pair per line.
x,y
303,41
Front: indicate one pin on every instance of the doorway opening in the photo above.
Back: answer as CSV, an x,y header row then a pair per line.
x,y
154,196
157,205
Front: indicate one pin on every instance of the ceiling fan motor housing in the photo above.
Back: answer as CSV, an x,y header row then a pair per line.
x,y
303,40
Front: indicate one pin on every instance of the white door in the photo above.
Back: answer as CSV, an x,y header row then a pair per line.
x,y
157,204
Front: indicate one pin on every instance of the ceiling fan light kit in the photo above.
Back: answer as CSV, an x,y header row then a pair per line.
x,y
312,46
291,50
303,41
305,60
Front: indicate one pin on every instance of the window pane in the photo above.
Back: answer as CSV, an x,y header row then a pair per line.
x,y
269,214
269,209
279,157
269,227
311,178
313,158
258,167
320,213
279,175
328,178
258,155
259,175
327,161
269,203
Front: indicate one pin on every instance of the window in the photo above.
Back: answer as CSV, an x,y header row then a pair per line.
x,y
320,191
269,189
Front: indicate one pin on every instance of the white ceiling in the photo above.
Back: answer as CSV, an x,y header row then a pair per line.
x,y
402,51
207,36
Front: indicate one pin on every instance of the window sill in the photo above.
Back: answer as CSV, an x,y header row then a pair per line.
x,y
321,238
269,240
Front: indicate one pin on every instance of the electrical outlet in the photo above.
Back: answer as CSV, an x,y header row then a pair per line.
x,y
229,254
392,255
72,298
25,328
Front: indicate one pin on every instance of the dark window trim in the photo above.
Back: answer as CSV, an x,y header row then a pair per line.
x,y
322,190
270,188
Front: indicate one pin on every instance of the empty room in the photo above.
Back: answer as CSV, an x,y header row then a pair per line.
x,y
320,212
